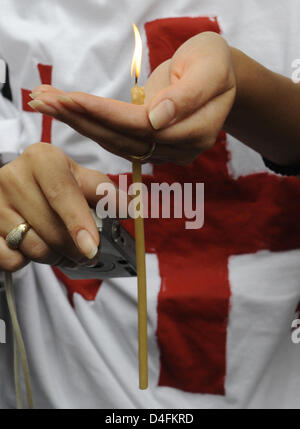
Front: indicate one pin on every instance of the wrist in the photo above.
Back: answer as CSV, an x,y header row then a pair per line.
x,y
238,63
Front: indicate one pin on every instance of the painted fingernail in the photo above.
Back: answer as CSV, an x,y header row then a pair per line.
x,y
42,107
162,114
86,244
33,95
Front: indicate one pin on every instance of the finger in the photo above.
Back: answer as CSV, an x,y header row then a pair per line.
x,y
66,199
195,80
32,246
116,115
49,238
33,206
116,143
189,130
90,182
10,260
52,202
199,131
113,141
42,89
113,114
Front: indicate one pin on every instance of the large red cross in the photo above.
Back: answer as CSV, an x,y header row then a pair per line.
x,y
259,211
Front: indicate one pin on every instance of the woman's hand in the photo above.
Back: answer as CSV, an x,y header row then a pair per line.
x,y
51,192
188,99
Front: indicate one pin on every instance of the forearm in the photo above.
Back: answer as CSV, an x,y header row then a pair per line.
x,y
266,112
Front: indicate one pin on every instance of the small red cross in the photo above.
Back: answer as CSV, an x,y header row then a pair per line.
x,y
45,72
87,288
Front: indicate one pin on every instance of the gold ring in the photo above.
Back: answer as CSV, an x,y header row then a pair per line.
x,y
15,236
147,155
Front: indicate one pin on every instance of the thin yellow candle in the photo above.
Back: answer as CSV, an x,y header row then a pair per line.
x,y
138,97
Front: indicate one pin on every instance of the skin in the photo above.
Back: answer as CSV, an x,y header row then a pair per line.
x,y
53,194
203,93
211,86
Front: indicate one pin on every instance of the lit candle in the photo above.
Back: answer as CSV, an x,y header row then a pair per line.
x,y
138,97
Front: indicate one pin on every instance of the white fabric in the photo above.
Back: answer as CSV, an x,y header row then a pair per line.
x,y
87,356
10,127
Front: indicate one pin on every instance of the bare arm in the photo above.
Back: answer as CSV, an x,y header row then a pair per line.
x,y
266,112
204,87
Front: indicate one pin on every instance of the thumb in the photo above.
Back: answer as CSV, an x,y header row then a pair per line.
x,y
199,82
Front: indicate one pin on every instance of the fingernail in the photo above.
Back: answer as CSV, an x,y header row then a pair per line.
x,y
69,102
162,114
93,263
86,244
33,95
42,107
65,98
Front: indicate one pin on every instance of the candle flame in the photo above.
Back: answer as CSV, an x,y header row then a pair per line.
x,y
137,55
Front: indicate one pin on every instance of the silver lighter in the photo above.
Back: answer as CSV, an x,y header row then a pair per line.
x,y
116,256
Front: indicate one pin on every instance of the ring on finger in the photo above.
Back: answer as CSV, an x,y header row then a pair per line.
x,y
146,155
15,237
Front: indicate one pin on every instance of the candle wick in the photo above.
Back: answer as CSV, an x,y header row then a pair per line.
x,y
136,79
